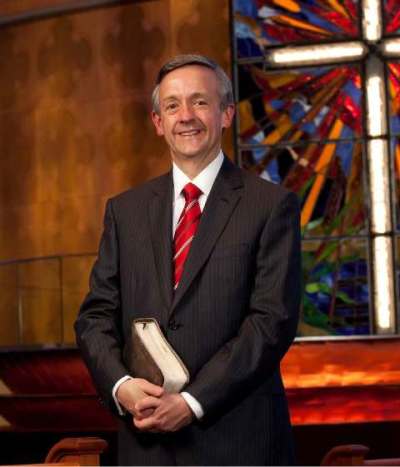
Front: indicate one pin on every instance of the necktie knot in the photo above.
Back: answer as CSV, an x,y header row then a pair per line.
x,y
191,192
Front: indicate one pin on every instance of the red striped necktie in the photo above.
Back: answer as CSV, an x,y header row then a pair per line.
x,y
186,229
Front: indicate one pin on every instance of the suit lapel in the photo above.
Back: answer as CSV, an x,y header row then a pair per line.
x,y
160,216
220,204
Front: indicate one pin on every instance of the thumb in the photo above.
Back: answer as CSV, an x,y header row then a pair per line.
x,y
149,388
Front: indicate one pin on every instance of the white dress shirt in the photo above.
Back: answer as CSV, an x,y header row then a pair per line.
x,y
204,180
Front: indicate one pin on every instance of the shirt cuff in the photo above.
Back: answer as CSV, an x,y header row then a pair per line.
x,y
121,410
194,405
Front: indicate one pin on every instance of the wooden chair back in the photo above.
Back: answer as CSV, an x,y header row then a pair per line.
x,y
354,454
77,451
73,451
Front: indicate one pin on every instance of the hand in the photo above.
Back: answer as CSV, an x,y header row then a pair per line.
x,y
135,389
171,413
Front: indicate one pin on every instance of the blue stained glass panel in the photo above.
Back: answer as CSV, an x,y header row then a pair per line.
x,y
336,293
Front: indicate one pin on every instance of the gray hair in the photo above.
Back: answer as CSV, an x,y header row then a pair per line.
x,y
225,84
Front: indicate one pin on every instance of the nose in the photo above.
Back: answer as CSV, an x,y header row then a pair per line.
x,y
186,113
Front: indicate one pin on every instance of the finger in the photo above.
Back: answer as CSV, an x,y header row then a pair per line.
x,y
150,388
144,414
147,403
146,424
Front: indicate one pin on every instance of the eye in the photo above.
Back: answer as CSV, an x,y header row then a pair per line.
x,y
200,102
171,106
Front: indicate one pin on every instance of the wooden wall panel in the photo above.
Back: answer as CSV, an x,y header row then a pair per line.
x,y
40,302
75,128
199,26
73,118
8,305
75,278
20,7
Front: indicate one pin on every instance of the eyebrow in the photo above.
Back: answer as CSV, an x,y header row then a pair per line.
x,y
192,96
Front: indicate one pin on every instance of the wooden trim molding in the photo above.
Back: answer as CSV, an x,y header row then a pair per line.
x,y
23,12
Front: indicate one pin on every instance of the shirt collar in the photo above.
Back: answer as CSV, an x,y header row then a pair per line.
x,y
204,180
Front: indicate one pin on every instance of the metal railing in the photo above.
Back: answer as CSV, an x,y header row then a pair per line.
x,y
40,298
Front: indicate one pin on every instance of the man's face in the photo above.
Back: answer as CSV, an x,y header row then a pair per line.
x,y
191,119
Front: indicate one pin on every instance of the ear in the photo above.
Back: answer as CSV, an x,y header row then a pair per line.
x,y
157,123
227,116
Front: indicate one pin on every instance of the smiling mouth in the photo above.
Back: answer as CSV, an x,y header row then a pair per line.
x,y
189,133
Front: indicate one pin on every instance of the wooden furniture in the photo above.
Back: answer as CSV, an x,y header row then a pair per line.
x,y
73,452
77,451
354,454
343,381
349,389
331,382
49,390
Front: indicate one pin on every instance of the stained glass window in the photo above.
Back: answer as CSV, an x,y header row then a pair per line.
x,y
335,278
391,17
317,82
261,24
393,73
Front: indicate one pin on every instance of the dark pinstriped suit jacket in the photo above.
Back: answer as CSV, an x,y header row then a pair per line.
x,y
231,319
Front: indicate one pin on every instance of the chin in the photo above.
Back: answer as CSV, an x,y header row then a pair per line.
x,y
191,153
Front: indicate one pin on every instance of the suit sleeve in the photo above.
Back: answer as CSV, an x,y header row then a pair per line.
x,y
251,357
98,326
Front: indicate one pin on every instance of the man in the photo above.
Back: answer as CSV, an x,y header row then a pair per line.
x,y
212,252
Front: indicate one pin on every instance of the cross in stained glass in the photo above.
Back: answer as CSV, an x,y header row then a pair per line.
x,y
329,34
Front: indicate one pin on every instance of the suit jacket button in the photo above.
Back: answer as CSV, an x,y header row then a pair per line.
x,y
173,325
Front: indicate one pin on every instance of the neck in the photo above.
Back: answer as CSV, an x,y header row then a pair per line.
x,y
193,166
